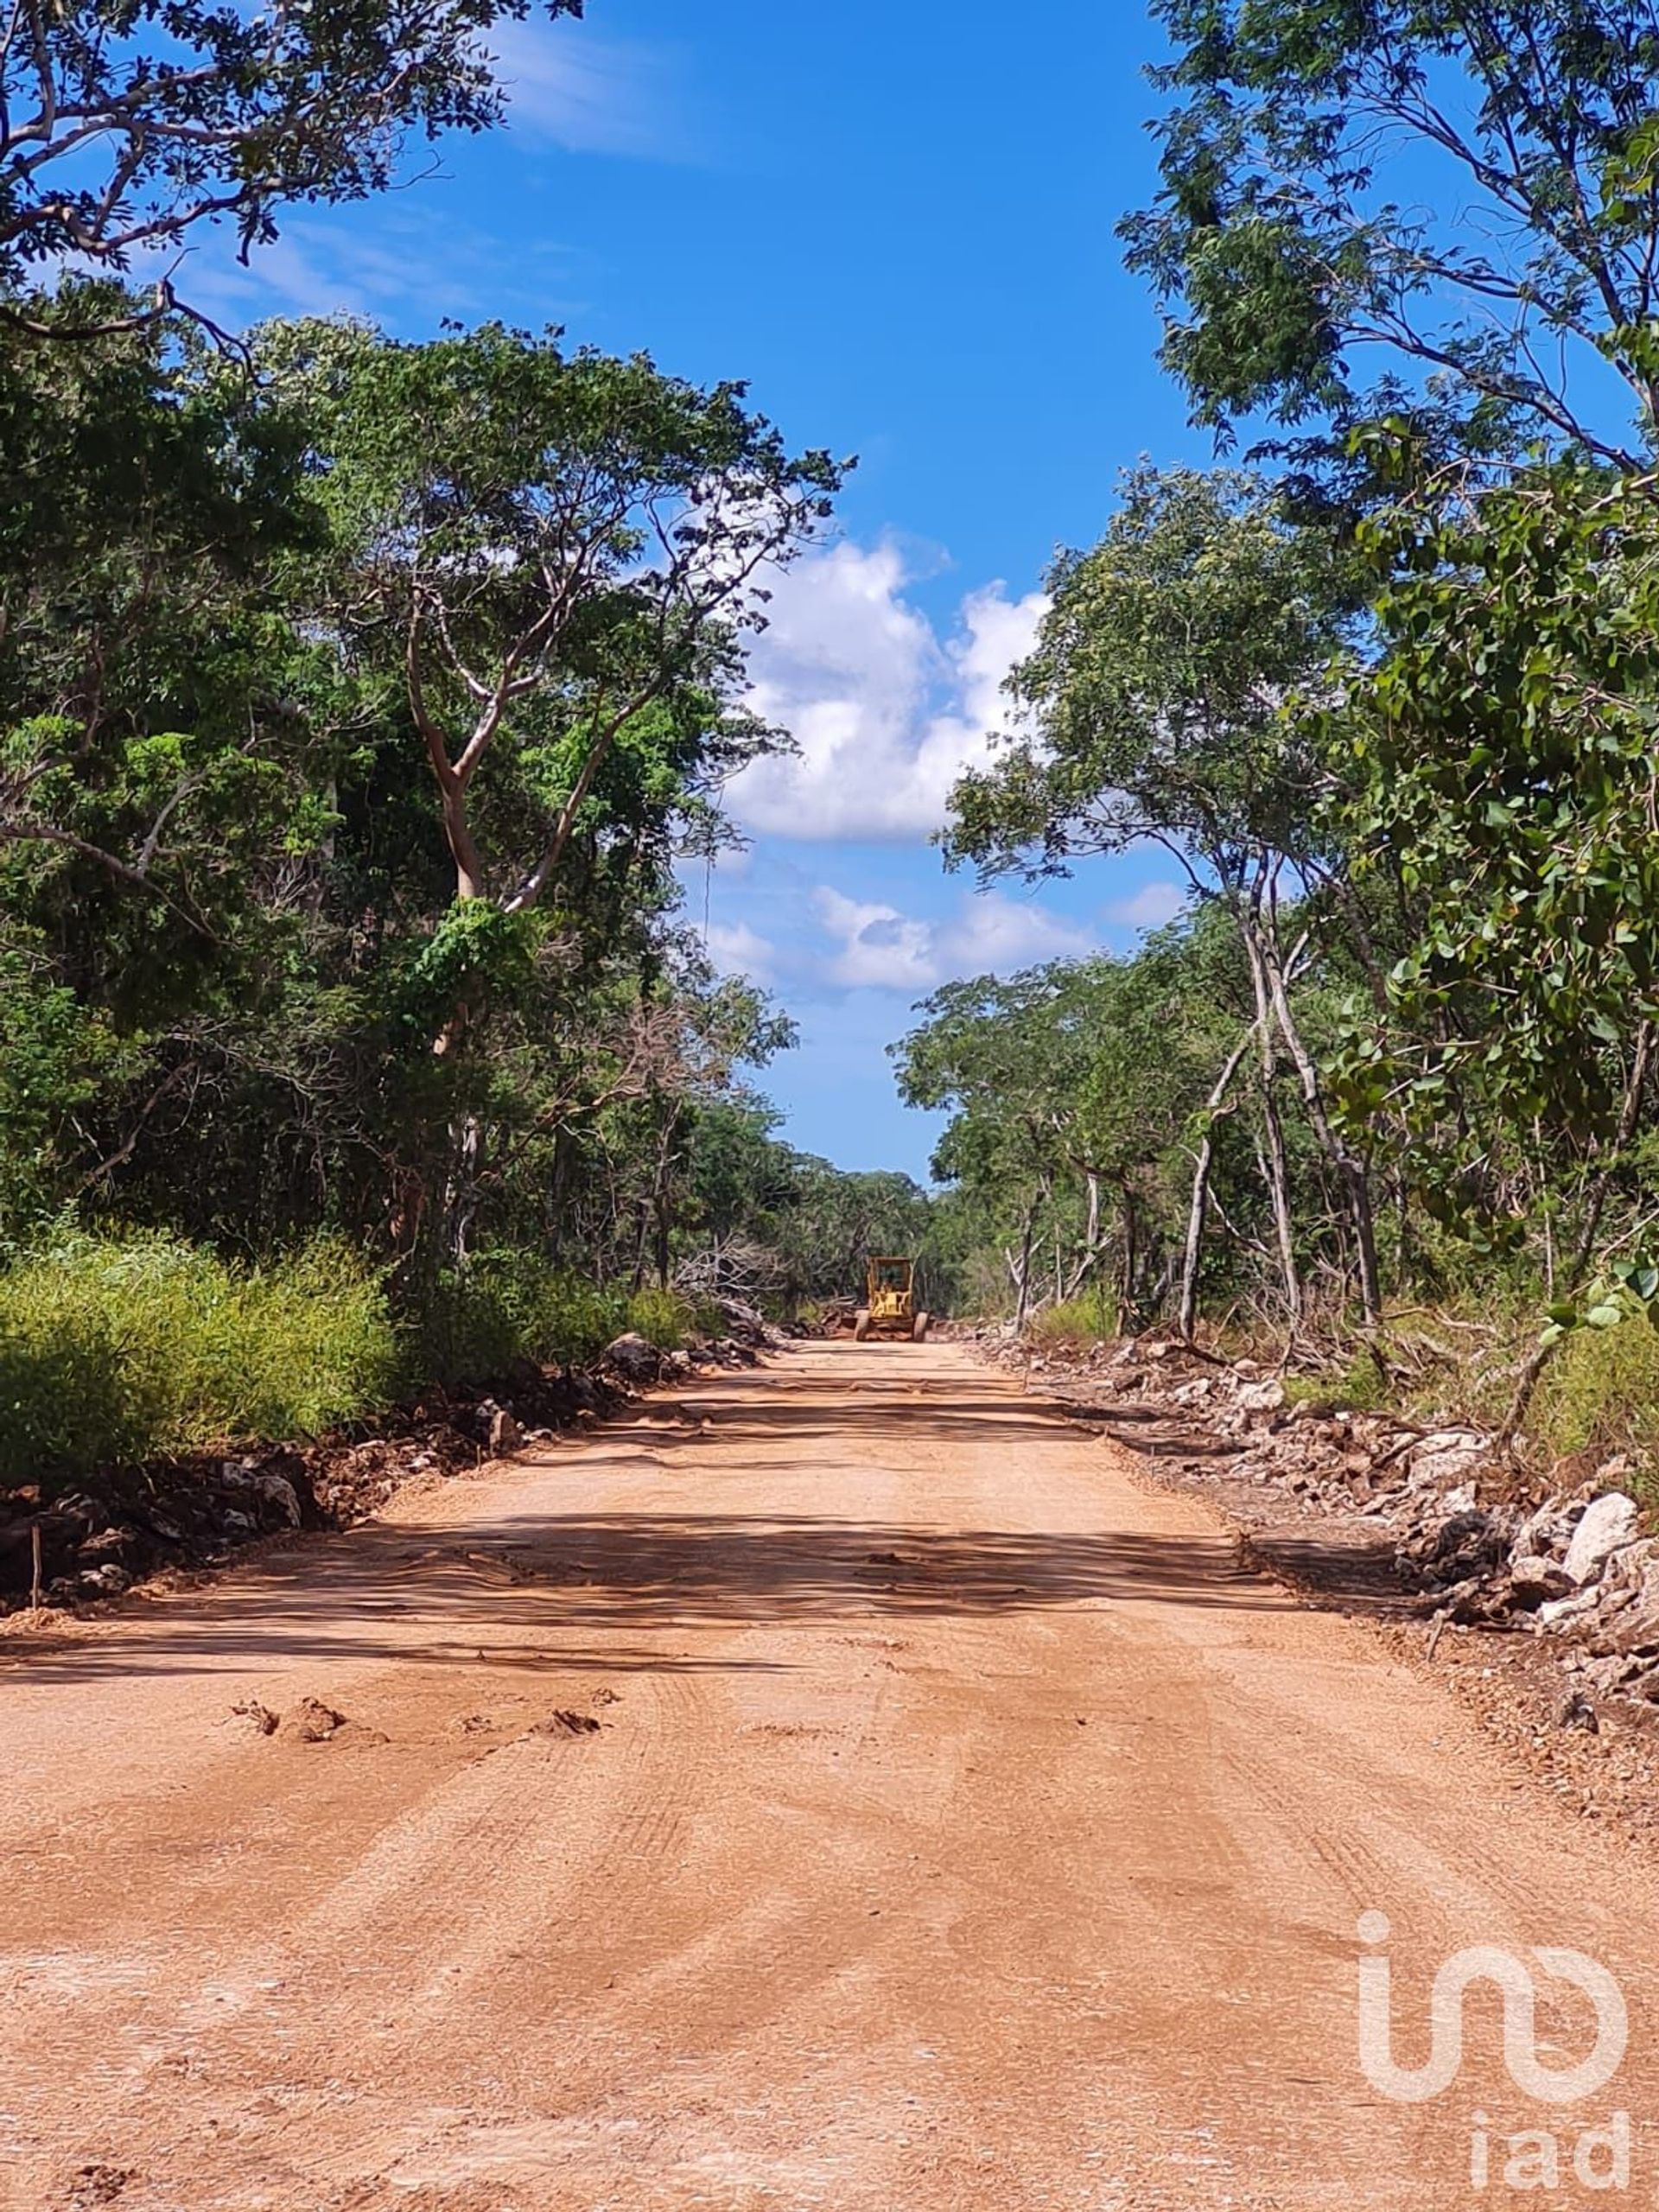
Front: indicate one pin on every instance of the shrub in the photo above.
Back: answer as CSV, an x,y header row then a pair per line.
x,y
464,1331
114,1350
308,1343
64,1402
507,1306
663,1318
1083,1321
1601,1392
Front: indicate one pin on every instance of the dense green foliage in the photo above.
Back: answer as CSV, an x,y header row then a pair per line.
x,y
354,717
1084,1098
1504,786
126,1350
228,914
1408,1030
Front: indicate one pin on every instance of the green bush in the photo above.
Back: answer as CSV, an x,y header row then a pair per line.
x,y
464,1333
114,1350
66,1402
1601,1392
507,1306
1086,1319
663,1318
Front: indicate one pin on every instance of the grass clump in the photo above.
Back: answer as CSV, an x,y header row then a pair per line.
x,y
116,1350
667,1319
1088,1319
129,1349
1359,1386
1600,1393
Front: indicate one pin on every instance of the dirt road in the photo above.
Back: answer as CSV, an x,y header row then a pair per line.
x,y
962,1828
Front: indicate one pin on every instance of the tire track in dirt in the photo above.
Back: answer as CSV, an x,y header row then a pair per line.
x,y
965,1829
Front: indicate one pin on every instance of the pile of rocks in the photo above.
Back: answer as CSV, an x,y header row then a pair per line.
x,y
128,1522
637,1364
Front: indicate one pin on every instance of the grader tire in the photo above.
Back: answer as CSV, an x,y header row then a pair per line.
x,y
861,1324
919,1329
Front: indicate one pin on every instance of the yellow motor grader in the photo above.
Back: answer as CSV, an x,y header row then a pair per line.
x,y
889,1308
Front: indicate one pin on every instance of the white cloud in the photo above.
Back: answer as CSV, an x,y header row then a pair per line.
x,y
879,948
586,93
886,713
1149,907
736,949
380,263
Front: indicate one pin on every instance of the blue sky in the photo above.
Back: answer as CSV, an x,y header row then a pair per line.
x,y
896,222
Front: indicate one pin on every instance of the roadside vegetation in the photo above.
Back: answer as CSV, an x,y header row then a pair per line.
x,y
1382,698
362,702
357,704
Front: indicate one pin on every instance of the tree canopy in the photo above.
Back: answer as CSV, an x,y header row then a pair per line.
x,y
123,128
1372,207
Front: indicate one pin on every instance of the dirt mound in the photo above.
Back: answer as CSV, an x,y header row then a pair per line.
x,y
310,1721
564,1722
94,1538
98,2185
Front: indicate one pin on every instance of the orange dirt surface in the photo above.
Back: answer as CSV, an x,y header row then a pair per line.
x,y
843,1785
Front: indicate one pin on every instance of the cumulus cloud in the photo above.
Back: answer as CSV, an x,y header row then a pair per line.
x,y
877,947
736,949
1149,907
886,713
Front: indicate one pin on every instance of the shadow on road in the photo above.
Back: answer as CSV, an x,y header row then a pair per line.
x,y
451,1594
498,1587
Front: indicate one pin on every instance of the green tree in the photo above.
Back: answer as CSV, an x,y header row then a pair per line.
x,y
1079,1095
771,1223
123,127
1505,778
554,551
989,1050
228,918
161,783
1155,699
1313,156
542,565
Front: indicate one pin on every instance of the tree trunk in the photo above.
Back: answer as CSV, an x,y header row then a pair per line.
x,y
1088,1258
1126,1312
1277,1170
1023,1288
1351,1172
1193,1250
461,1188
